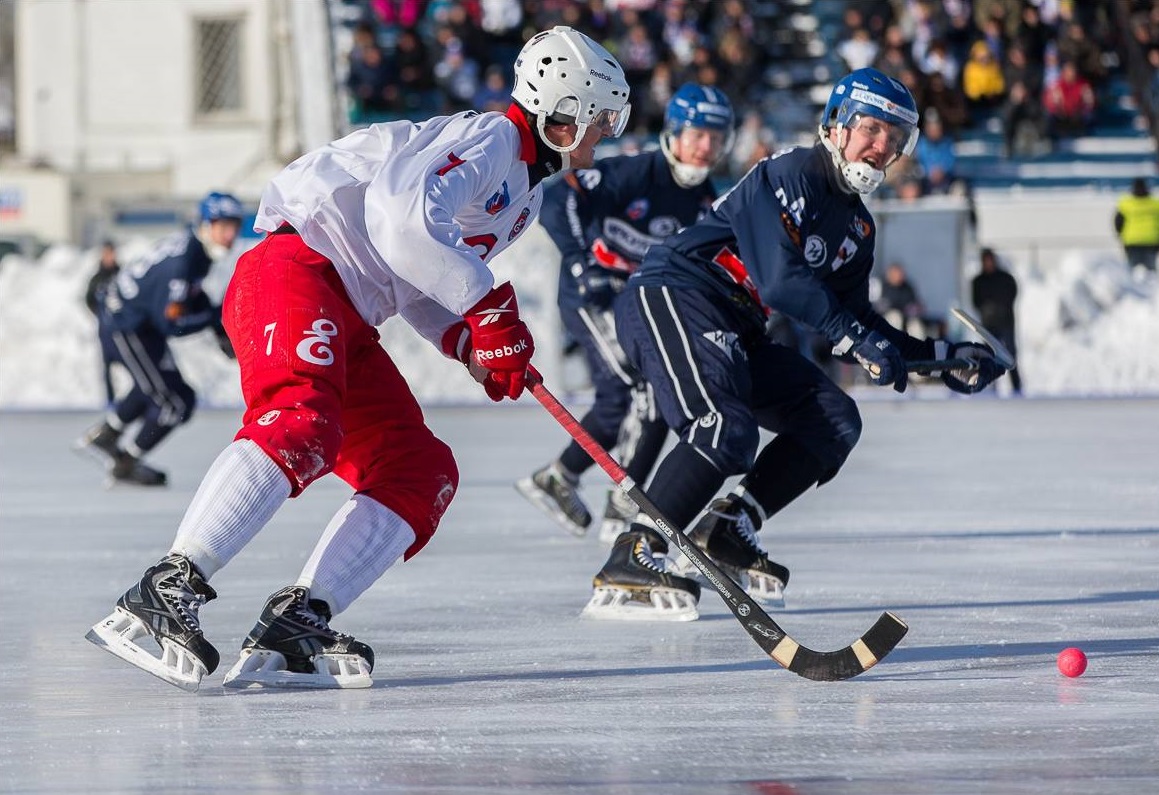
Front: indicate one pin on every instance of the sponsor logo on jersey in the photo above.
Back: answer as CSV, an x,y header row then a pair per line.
x,y
815,250
791,228
499,201
637,209
520,222
269,417
627,239
844,253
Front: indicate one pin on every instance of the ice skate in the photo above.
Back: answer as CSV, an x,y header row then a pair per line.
x,y
130,470
162,606
292,645
726,533
556,495
633,586
100,443
619,513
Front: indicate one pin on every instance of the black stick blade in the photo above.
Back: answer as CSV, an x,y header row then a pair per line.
x,y
854,659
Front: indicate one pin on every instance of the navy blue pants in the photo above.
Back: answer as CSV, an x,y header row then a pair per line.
x,y
716,384
623,414
160,396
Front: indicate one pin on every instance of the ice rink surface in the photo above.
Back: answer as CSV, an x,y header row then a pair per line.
x,y
1002,531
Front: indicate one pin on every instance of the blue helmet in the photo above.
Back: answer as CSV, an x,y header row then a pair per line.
x,y
868,92
218,206
700,107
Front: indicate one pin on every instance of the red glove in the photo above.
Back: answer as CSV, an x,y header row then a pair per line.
x,y
501,344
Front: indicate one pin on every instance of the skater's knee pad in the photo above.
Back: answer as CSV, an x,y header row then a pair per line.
x,y
302,441
842,432
729,442
422,496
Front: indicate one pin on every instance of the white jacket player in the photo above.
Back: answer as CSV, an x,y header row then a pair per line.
x,y
400,218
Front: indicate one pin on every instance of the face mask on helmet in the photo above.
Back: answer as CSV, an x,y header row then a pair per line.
x,y
563,77
698,132
881,112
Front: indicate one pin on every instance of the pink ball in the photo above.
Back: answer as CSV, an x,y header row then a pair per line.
x,y
1072,662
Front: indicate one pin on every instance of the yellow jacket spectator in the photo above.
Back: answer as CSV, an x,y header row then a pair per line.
x,y
1137,222
982,79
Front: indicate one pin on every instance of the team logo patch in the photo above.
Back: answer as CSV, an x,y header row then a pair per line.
x,y
860,227
269,417
520,222
663,226
637,209
815,250
498,202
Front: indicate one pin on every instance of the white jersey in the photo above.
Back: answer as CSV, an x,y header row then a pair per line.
x,y
411,213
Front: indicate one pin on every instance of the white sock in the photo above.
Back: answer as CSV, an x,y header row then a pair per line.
x,y
240,493
362,541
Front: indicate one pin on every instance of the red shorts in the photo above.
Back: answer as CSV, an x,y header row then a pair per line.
x,y
321,394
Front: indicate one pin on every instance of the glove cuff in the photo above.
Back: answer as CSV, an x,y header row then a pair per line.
x,y
854,335
456,342
497,307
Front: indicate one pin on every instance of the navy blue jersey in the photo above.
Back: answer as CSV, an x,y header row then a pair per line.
x,y
609,215
784,238
163,289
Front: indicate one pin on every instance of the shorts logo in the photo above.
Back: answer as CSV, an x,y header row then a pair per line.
x,y
269,417
315,347
520,222
815,250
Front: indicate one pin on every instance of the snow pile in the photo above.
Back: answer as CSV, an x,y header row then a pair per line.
x,y
1085,329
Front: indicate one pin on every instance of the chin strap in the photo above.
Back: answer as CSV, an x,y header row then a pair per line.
x,y
685,176
859,178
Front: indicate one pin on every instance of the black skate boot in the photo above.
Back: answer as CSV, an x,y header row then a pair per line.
x,y
127,468
633,585
619,513
554,493
292,645
100,442
164,606
729,536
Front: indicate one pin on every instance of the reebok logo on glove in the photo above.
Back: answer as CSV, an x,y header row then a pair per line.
x,y
506,350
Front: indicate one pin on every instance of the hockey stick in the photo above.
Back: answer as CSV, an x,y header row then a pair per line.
x,y
1004,357
820,666
927,366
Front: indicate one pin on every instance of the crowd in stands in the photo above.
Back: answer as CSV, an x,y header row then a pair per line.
x,y
1032,70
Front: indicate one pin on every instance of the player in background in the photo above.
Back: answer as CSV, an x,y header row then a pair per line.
x,y
400,219
793,236
152,299
602,220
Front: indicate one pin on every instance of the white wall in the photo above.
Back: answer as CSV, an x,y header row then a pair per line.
x,y
110,87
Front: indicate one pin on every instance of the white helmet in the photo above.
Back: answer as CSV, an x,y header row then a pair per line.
x,y
562,76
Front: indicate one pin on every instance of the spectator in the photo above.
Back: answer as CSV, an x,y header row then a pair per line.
x,y
1075,46
1033,34
935,155
858,51
1069,103
1137,225
95,293
371,83
949,104
982,80
899,303
494,93
1021,112
993,292
415,74
938,60
457,76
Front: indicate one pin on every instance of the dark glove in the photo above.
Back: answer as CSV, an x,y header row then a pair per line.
x,y
223,341
969,380
880,357
598,286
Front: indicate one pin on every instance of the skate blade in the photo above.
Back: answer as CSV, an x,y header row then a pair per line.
x,y
656,604
769,591
262,668
536,497
117,635
91,453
